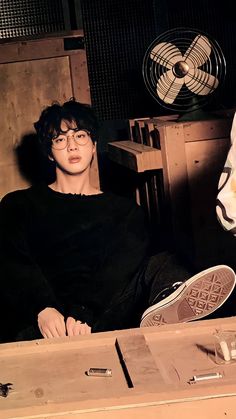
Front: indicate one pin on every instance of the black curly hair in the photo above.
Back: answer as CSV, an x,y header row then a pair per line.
x,y
72,112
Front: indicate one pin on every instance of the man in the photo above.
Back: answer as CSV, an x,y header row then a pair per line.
x,y
75,259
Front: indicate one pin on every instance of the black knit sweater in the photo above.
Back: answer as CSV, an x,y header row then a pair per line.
x,y
75,253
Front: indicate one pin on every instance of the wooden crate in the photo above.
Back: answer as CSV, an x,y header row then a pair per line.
x,y
151,369
191,156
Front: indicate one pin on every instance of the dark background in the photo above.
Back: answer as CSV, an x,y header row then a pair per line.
x,y
117,34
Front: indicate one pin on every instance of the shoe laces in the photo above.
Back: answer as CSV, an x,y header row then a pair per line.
x,y
165,292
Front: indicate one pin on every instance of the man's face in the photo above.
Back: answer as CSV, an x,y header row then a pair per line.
x,y
72,149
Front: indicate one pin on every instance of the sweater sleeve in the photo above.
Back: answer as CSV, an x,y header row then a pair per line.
x,y
226,199
24,289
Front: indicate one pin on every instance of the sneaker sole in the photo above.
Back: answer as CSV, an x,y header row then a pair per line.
x,y
196,298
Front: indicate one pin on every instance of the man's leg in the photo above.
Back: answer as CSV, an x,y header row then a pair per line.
x,y
126,309
164,291
163,271
159,272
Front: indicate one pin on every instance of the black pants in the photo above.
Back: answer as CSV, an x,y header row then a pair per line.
x,y
159,272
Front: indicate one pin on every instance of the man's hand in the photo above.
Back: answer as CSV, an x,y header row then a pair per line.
x,y
51,323
75,327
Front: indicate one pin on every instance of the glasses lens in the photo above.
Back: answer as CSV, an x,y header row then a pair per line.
x,y
59,143
80,137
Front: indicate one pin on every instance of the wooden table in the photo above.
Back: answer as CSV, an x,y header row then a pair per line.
x,y
151,368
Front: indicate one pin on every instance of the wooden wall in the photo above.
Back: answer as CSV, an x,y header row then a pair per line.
x,y
33,74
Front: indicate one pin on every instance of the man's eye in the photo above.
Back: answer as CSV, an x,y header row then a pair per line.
x,y
80,135
58,140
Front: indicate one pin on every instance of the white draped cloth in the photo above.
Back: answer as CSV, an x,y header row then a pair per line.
x,y
226,199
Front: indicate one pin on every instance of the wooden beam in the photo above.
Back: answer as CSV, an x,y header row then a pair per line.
x,y
143,374
137,157
35,49
207,130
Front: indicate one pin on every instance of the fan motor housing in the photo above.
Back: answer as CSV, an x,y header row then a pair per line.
x,y
180,69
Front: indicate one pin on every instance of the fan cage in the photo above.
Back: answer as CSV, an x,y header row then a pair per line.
x,y
182,38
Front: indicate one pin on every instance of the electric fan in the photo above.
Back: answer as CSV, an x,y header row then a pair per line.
x,y
183,68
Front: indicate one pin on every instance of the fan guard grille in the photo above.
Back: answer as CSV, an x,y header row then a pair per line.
x,y
183,98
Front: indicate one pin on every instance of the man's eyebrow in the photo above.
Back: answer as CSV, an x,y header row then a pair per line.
x,y
70,129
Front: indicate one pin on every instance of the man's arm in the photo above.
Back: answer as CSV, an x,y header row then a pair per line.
x,y
25,291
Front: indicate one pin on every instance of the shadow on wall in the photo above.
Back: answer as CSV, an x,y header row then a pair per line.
x,y
33,164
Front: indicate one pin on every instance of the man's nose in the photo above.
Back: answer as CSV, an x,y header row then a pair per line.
x,y
71,143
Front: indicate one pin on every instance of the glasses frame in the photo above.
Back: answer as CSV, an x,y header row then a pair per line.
x,y
76,140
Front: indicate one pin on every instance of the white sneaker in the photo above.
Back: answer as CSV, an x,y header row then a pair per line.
x,y
194,299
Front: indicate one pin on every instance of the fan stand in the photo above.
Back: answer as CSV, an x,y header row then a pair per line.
x,y
195,113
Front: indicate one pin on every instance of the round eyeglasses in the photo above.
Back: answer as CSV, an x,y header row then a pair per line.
x,y
80,137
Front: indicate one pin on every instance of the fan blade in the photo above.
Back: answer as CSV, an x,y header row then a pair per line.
x,y
166,54
198,52
200,82
168,86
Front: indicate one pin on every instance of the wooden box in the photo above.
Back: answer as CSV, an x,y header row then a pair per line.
x,y
191,156
151,370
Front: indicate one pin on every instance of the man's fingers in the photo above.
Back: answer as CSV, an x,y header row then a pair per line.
x,y
51,323
81,328
75,327
70,322
53,329
85,329
60,328
47,334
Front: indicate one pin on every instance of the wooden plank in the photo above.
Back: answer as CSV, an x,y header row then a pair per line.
x,y
205,160
39,377
137,157
207,130
215,408
135,134
139,363
153,133
143,186
79,77
16,51
176,183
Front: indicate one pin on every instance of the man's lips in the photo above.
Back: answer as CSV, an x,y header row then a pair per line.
x,y
75,159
